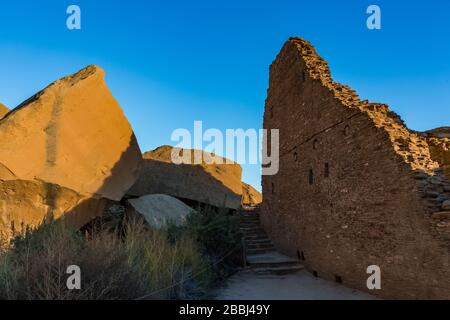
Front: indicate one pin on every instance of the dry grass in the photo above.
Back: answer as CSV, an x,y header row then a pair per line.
x,y
137,262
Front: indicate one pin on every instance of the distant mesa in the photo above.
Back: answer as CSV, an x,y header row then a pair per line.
x,y
219,185
159,209
65,151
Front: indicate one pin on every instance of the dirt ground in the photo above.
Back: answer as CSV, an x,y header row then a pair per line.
x,y
247,285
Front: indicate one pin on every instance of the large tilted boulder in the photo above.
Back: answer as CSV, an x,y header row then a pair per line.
x,y
159,209
215,184
65,151
3,110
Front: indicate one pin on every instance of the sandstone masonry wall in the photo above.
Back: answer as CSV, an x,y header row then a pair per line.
x,y
356,187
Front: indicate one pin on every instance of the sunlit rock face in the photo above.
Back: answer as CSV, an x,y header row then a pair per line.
x,y
66,148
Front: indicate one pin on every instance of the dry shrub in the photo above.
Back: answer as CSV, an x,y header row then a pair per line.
x,y
139,263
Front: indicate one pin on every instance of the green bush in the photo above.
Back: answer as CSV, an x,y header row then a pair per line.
x,y
218,235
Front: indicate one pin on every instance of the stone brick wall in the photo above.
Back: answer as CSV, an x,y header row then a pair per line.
x,y
440,152
356,187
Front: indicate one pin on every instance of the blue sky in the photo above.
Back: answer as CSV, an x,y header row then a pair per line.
x,y
169,63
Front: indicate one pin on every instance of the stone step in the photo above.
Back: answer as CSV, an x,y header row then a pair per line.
x,y
251,249
250,237
249,226
257,221
251,229
260,251
258,241
259,246
279,270
253,232
250,214
255,235
249,219
270,259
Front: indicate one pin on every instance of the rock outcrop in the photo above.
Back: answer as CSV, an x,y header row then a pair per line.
x,y
215,184
356,187
160,209
250,196
65,151
3,110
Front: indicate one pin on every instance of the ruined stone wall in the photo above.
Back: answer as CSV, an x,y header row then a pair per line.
x,y
440,150
355,186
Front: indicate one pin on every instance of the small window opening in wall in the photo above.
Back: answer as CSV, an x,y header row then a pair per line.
x,y
347,130
315,274
303,76
311,176
338,279
295,156
273,188
327,170
271,112
315,144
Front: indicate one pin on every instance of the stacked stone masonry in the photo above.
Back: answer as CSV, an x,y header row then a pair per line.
x,y
356,187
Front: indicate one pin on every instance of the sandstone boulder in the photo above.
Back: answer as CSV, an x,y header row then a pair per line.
x,y
65,151
160,209
216,184
250,196
3,110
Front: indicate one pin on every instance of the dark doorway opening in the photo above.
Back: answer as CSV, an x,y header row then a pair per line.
x,y
300,255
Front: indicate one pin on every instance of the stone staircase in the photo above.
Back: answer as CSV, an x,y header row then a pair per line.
x,y
261,255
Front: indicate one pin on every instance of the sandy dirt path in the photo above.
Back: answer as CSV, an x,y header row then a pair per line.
x,y
297,286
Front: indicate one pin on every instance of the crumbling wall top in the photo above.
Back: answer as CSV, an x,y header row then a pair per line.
x,y
409,145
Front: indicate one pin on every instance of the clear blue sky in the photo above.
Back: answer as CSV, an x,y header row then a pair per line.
x,y
172,62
